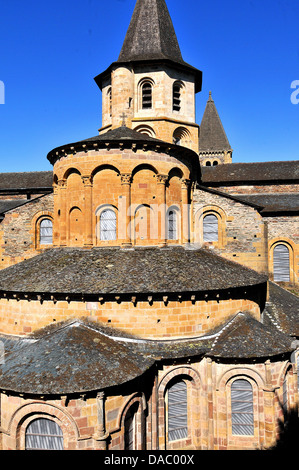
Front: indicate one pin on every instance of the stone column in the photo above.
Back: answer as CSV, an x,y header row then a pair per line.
x,y
100,435
125,213
161,215
185,211
63,215
88,242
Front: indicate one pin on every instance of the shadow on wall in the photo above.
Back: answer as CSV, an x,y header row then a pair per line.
x,y
288,432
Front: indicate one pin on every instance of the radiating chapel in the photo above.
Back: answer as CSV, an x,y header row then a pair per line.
x,y
149,284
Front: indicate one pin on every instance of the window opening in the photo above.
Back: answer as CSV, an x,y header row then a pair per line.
x,y
177,412
242,408
210,228
146,95
177,97
281,263
108,225
130,428
46,232
43,434
172,225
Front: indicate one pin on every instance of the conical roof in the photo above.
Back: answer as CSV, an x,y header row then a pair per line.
x,y
212,136
151,37
151,34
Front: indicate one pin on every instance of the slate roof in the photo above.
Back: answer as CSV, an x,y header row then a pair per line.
x,y
126,271
26,180
72,358
246,338
282,310
150,34
212,136
257,172
8,204
151,37
279,202
79,356
125,136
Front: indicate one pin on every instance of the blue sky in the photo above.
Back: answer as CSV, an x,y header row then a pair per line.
x,y
50,53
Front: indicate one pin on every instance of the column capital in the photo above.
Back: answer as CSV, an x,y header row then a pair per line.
x,y
62,183
162,179
87,180
185,183
126,178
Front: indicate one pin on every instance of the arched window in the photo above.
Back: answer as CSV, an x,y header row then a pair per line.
x,y
215,163
181,136
46,232
109,97
281,263
176,96
147,95
210,228
177,411
108,225
172,225
208,164
242,408
131,428
43,434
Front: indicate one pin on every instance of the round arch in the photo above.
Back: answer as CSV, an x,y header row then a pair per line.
x,y
29,412
289,244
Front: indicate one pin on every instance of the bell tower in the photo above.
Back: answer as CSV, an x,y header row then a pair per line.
x,y
150,84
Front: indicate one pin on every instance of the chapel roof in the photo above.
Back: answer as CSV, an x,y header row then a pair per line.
x,y
114,270
212,136
80,355
255,172
124,137
245,337
282,310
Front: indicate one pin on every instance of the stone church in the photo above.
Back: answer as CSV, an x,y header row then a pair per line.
x,y
149,284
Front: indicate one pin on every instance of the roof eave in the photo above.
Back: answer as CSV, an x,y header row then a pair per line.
x,y
179,65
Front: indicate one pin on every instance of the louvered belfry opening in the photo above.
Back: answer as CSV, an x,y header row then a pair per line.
x,y
177,97
242,408
177,412
147,100
281,263
43,434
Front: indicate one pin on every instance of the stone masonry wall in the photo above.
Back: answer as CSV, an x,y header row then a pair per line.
x,y
19,229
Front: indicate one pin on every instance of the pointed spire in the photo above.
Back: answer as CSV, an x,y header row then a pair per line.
x,y
151,34
212,136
